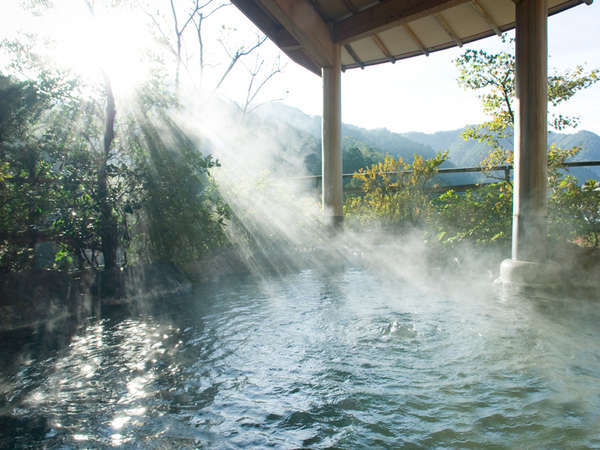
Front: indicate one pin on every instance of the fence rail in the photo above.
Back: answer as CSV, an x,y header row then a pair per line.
x,y
457,187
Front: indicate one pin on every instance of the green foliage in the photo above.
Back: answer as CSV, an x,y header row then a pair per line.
x,y
395,193
27,176
575,211
57,176
561,87
181,214
493,74
49,189
481,215
353,159
355,155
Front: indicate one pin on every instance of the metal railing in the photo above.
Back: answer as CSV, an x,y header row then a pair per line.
x,y
457,187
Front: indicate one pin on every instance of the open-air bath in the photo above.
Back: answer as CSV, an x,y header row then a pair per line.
x,y
188,262
341,358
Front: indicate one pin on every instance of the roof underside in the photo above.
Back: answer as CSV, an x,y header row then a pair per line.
x,y
377,31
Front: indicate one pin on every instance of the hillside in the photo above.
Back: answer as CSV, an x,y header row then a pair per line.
x,y
381,139
375,143
470,153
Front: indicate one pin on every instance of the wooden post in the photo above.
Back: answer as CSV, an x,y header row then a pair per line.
x,y
531,129
331,141
529,264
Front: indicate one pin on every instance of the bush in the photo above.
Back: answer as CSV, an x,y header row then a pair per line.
x,y
395,193
574,211
481,215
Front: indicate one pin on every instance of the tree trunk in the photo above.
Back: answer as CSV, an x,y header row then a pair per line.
x,y
108,222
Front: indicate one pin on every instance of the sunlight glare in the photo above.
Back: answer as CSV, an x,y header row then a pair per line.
x,y
118,422
111,41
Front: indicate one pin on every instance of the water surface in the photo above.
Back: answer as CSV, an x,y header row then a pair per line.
x,y
343,359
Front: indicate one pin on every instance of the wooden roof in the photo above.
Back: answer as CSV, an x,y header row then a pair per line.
x,y
377,31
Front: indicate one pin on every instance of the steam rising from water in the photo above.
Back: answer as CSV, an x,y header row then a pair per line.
x,y
359,340
346,359
278,225
362,339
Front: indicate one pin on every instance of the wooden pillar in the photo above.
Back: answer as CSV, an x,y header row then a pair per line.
x,y
530,132
332,141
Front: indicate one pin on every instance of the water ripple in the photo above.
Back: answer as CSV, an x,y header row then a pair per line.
x,y
315,360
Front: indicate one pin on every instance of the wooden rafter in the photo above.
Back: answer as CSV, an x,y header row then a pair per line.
x,y
416,39
477,6
383,47
448,29
386,14
355,57
310,37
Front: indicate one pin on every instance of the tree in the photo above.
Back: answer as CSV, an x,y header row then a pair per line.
x,y
202,13
24,174
493,75
259,77
353,160
181,215
233,50
194,12
93,183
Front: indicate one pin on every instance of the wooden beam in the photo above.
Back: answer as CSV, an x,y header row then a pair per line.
x,y
319,11
355,57
290,47
350,6
265,22
301,20
279,35
478,7
383,47
416,39
386,14
304,60
257,15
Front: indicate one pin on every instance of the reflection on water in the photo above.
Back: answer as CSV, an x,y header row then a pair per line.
x,y
313,360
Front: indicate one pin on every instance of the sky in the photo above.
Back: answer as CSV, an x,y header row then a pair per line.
x,y
421,93
417,94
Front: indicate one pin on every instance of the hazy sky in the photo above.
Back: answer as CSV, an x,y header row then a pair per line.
x,y
421,93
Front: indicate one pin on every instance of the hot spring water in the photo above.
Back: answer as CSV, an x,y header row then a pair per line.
x,y
311,359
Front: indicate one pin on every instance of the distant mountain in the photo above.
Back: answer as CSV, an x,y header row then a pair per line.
x,y
469,153
461,152
381,139
387,142
378,142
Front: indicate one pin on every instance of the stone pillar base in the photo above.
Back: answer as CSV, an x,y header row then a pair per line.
x,y
530,274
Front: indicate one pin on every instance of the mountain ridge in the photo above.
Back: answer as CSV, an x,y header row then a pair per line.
x,y
462,153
